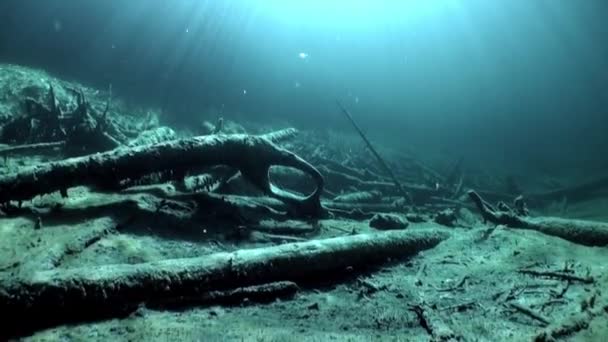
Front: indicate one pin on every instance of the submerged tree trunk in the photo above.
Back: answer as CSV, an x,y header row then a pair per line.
x,y
54,297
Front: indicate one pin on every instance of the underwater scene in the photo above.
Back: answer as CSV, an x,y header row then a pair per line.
x,y
321,170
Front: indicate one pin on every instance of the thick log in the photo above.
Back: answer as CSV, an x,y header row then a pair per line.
x,y
252,155
588,233
58,296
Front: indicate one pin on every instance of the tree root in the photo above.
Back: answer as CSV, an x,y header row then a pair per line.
x,y
59,296
588,233
252,155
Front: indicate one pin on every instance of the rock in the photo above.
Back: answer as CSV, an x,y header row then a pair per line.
x,y
384,221
446,217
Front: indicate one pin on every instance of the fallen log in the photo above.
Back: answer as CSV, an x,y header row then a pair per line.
x,y
252,155
589,233
53,297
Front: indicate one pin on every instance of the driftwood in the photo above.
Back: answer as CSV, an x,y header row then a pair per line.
x,y
252,155
58,296
589,233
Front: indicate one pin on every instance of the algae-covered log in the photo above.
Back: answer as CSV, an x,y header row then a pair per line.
x,y
252,155
59,296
